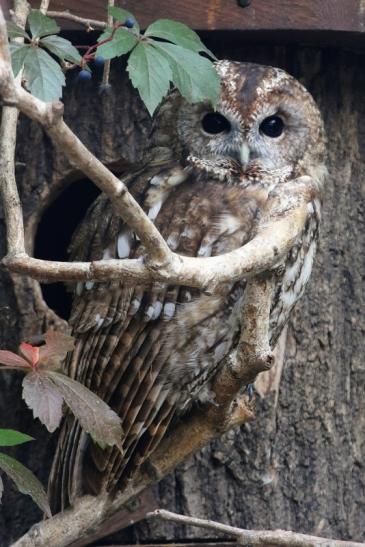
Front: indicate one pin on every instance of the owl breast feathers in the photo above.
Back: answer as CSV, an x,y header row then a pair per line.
x,y
151,351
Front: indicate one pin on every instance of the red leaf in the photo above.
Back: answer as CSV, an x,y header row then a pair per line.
x,y
31,353
43,397
94,415
11,359
56,347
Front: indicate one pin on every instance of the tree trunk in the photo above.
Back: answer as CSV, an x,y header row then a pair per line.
x,y
300,465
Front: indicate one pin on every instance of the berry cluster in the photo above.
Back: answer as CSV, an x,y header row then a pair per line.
x,y
99,61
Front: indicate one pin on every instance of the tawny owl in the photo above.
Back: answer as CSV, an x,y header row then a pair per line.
x,y
150,351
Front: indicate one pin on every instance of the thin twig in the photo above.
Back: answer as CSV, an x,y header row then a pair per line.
x,y
90,24
279,538
106,71
44,6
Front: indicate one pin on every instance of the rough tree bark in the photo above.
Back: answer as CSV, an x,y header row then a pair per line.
x,y
300,465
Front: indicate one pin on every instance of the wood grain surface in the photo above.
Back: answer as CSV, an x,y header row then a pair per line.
x,y
335,15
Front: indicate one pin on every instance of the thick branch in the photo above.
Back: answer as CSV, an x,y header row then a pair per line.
x,y
8,188
279,538
199,427
260,254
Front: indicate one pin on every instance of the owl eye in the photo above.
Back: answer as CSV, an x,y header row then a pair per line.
x,y
273,126
215,123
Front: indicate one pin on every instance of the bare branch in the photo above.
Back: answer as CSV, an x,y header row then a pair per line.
x,y
50,116
106,71
90,24
260,254
264,251
44,6
9,119
279,538
199,427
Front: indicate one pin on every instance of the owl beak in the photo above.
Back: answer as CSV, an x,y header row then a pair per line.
x,y
244,153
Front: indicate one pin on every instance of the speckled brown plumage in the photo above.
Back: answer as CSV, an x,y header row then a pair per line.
x,y
150,351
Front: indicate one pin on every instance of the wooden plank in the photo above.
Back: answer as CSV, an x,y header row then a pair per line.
x,y
205,543
332,15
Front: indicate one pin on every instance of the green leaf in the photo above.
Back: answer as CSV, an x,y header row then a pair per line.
x,y
18,54
193,75
95,416
122,42
105,34
179,34
41,25
16,32
44,76
10,437
63,49
150,73
26,482
121,15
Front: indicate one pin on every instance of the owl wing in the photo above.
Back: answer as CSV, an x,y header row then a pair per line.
x,y
127,337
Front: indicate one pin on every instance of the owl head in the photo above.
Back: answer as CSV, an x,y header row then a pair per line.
x,y
266,126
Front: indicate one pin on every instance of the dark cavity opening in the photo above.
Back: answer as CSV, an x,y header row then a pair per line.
x,y
54,234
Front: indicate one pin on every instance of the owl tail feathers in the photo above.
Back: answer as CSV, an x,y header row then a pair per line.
x,y
65,480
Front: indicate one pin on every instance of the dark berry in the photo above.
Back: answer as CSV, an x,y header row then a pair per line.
x,y
84,75
129,22
99,61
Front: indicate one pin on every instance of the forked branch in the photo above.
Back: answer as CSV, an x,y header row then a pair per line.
x,y
276,232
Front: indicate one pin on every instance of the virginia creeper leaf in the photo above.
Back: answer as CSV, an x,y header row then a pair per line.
x,y
16,32
18,54
31,353
150,73
13,360
121,15
62,48
43,397
178,33
43,75
105,34
10,437
56,348
41,25
122,42
26,482
95,416
193,75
